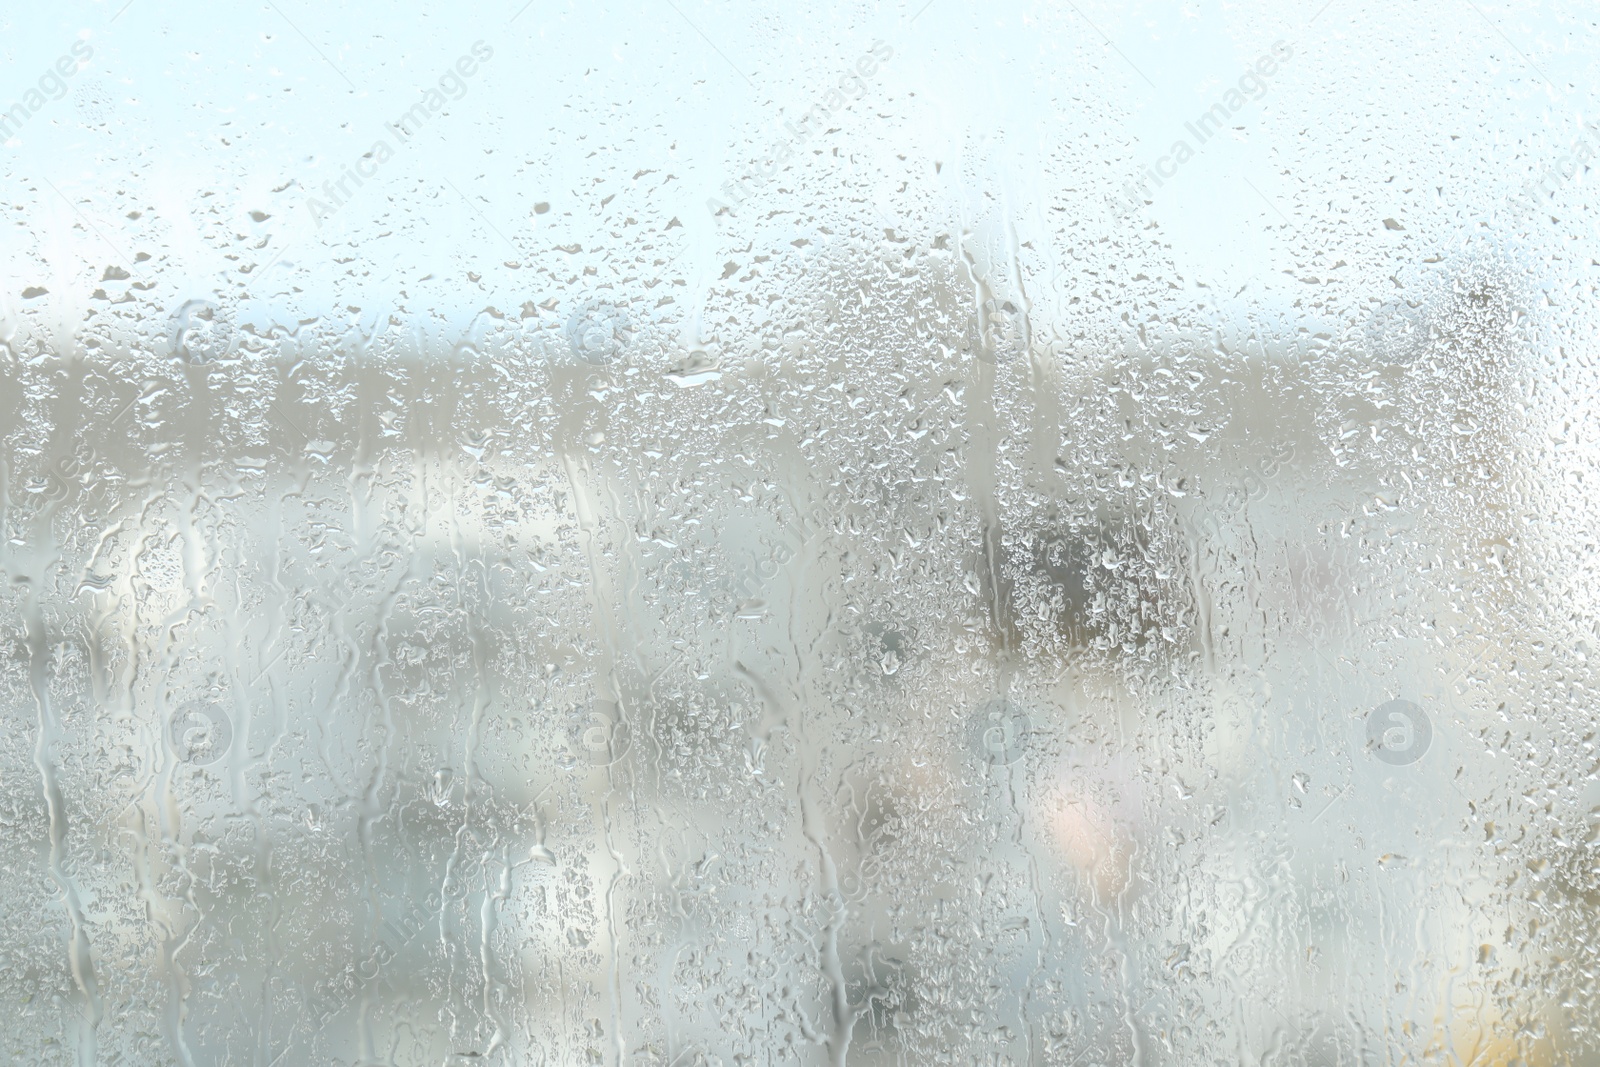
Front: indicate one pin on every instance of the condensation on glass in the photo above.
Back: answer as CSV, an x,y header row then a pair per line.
x,y
711,534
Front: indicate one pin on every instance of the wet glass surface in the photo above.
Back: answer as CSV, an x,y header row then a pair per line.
x,y
690,533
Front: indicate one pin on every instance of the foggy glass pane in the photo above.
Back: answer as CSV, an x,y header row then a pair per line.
x,y
689,533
